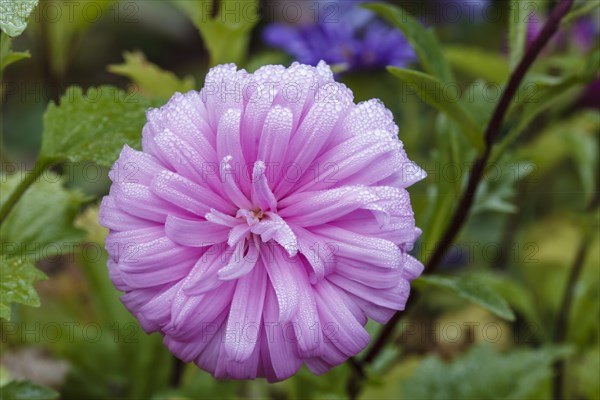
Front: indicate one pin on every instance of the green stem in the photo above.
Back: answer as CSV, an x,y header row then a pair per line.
x,y
562,322
467,199
15,196
562,319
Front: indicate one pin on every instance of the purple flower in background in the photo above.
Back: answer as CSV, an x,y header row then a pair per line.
x,y
453,11
355,39
264,221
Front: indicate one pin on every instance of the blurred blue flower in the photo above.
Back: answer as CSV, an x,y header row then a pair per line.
x,y
452,11
357,40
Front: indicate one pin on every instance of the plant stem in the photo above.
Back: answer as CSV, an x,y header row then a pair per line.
x,y
353,386
29,180
493,127
460,216
562,321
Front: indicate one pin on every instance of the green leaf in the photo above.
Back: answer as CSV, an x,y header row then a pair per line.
x,y
31,233
16,286
451,148
517,33
433,92
41,224
541,95
227,35
63,37
4,376
152,80
471,289
555,140
484,374
585,8
495,194
479,63
7,56
94,125
584,152
27,390
423,40
581,373
14,15
518,295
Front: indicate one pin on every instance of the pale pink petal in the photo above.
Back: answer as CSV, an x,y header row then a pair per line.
x,y
280,339
278,266
261,193
245,314
242,261
194,233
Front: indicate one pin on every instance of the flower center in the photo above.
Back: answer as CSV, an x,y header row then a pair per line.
x,y
252,217
258,214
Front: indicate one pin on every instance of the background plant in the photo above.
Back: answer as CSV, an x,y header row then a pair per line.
x,y
498,116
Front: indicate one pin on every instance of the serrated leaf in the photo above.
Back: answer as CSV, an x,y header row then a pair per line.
x,y
473,290
227,35
151,79
94,125
431,91
27,390
41,224
422,39
484,374
14,15
16,284
478,63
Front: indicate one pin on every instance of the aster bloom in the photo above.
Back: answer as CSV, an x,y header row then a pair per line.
x,y
264,221
357,40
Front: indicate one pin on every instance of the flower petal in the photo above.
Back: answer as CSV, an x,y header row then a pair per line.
x,y
278,266
203,276
280,347
241,262
261,193
338,324
246,313
195,233
113,218
188,195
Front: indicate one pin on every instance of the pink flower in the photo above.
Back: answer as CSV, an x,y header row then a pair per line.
x,y
264,221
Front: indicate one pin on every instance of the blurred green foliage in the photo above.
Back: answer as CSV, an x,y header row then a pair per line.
x,y
506,273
